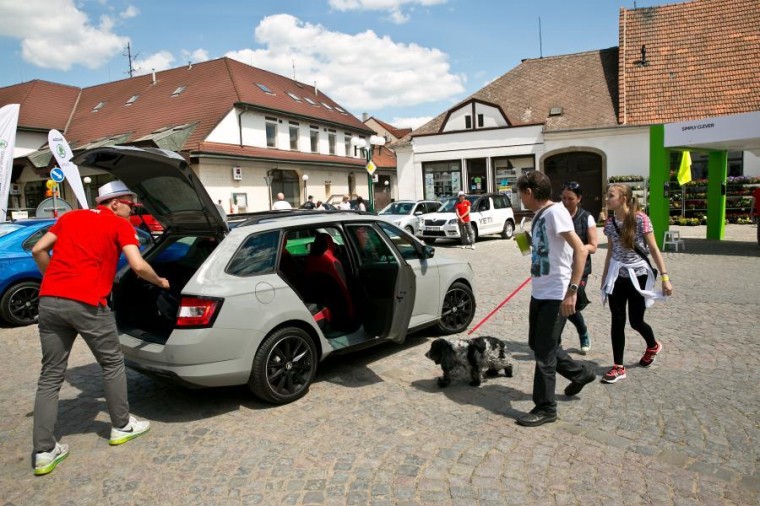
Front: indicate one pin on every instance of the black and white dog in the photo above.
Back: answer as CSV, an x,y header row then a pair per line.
x,y
469,358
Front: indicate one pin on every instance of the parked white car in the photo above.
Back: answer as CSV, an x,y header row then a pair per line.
x,y
405,213
491,213
263,303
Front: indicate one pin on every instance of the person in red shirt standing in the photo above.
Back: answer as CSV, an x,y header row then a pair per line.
x,y
462,208
76,283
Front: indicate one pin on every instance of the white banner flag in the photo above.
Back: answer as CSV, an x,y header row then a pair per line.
x,y
8,124
63,155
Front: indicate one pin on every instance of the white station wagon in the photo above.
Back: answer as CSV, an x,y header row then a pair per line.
x,y
263,303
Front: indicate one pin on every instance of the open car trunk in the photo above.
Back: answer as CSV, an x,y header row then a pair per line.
x,y
147,312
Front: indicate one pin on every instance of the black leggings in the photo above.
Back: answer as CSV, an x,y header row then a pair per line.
x,y
625,293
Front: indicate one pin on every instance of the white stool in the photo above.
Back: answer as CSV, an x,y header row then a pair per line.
x,y
673,237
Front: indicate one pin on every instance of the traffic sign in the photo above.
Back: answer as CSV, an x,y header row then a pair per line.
x,y
371,167
57,175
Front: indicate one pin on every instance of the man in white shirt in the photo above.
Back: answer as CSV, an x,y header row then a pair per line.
x,y
345,205
557,263
281,204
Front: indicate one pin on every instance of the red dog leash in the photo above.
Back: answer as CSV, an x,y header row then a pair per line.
x,y
500,305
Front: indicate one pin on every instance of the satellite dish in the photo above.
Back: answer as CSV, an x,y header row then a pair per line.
x,y
45,209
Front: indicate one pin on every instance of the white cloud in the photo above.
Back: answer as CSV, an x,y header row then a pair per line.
x,y
130,12
410,122
56,34
197,56
158,61
395,8
363,72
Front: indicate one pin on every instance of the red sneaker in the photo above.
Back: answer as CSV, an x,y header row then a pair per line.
x,y
650,355
615,374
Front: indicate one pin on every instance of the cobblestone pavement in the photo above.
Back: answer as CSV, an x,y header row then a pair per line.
x,y
375,428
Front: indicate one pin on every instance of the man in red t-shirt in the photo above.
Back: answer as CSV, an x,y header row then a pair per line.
x,y
75,286
462,209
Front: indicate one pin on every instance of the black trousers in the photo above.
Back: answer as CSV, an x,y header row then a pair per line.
x,y
545,325
625,294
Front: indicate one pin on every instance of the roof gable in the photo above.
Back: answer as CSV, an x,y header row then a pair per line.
x,y
699,59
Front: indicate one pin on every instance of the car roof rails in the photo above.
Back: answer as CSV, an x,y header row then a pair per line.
x,y
263,216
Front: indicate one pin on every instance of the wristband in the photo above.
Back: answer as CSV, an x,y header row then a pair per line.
x,y
666,277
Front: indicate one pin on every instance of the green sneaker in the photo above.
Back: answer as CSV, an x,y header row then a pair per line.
x,y
45,462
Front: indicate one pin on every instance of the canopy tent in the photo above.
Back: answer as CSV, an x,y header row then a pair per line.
x,y
716,136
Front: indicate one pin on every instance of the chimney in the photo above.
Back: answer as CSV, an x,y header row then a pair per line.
x,y
316,92
189,65
365,117
154,76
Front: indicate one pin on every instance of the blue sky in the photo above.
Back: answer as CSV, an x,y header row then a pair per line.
x,y
402,61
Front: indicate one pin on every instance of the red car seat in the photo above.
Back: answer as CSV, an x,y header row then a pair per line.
x,y
327,280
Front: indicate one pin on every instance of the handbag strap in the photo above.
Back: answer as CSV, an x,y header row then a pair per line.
x,y
635,246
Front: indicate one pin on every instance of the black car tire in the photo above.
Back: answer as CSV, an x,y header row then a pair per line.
x,y
19,305
284,366
509,230
475,234
429,240
458,309
409,229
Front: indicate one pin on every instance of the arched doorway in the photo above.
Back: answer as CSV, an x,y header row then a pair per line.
x,y
583,167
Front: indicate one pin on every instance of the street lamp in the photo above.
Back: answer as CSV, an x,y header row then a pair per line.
x,y
87,180
305,178
374,140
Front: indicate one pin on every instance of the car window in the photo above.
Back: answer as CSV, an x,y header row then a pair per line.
x,y
501,202
30,241
484,205
369,245
7,228
257,255
398,208
432,207
404,244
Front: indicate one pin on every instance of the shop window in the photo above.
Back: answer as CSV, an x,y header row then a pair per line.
x,y
442,179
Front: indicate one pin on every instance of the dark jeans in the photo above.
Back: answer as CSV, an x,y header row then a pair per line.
x,y
579,323
545,326
59,323
624,293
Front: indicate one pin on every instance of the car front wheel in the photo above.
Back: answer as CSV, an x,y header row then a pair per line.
x,y
509,230
20,304
284,366
458,309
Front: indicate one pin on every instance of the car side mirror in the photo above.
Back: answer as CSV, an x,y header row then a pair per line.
x,y
428,251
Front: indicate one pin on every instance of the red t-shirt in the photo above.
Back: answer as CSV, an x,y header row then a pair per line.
x,y
85,254
462,208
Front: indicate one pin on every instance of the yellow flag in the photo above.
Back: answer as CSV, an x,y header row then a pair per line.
x,y
684,172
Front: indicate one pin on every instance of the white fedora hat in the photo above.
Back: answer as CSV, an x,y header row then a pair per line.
x,y
112,190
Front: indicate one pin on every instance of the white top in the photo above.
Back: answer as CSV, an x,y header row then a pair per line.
x,y
345,206
281,205
552,257
362,207
617,268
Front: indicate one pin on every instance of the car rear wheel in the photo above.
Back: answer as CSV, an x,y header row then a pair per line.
x,y
409,229
509,230
284,366
20,303
458,309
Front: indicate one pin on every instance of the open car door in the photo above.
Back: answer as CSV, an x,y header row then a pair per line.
x,y
387,283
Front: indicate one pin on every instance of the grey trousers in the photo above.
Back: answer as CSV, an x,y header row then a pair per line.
x,y
466,233
59,323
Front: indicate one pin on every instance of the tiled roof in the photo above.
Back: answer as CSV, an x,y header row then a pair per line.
x,y
584,85
702,59
44,105
396,132
214,148
211,89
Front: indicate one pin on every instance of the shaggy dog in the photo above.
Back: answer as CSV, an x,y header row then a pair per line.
x,y
470,358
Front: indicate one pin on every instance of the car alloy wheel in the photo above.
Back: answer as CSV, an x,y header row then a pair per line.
x,y
509,230
458,309
284,366
409,229
20,304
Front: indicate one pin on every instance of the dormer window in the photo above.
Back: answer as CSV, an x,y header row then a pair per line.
x,y
132,100
294,96
265,88
340,110
178,91
326,106
311,101
98,107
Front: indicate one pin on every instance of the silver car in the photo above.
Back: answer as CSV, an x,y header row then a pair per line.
x,y
406,213
263,303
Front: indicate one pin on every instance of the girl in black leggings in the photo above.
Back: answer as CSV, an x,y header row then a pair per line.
x,y
628,279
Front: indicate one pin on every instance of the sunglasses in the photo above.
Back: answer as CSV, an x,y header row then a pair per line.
x,y
573,187
127,203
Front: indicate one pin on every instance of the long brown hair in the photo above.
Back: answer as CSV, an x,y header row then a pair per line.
x,y
628,232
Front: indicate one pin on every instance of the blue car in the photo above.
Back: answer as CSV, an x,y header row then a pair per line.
x,y
19,276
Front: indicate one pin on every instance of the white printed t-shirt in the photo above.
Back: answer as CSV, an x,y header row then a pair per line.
x,y
552,257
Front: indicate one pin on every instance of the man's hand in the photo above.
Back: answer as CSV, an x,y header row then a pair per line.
x,y
567,308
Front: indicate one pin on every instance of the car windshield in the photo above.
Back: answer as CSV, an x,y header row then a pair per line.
x,y
398,208
7,228
448,205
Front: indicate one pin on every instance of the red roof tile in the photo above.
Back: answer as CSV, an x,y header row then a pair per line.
x,y
44,105
702,59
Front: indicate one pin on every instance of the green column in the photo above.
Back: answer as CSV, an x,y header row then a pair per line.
x,y
717,170
659,176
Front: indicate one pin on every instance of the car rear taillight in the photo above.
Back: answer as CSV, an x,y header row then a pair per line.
x,y
197,312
